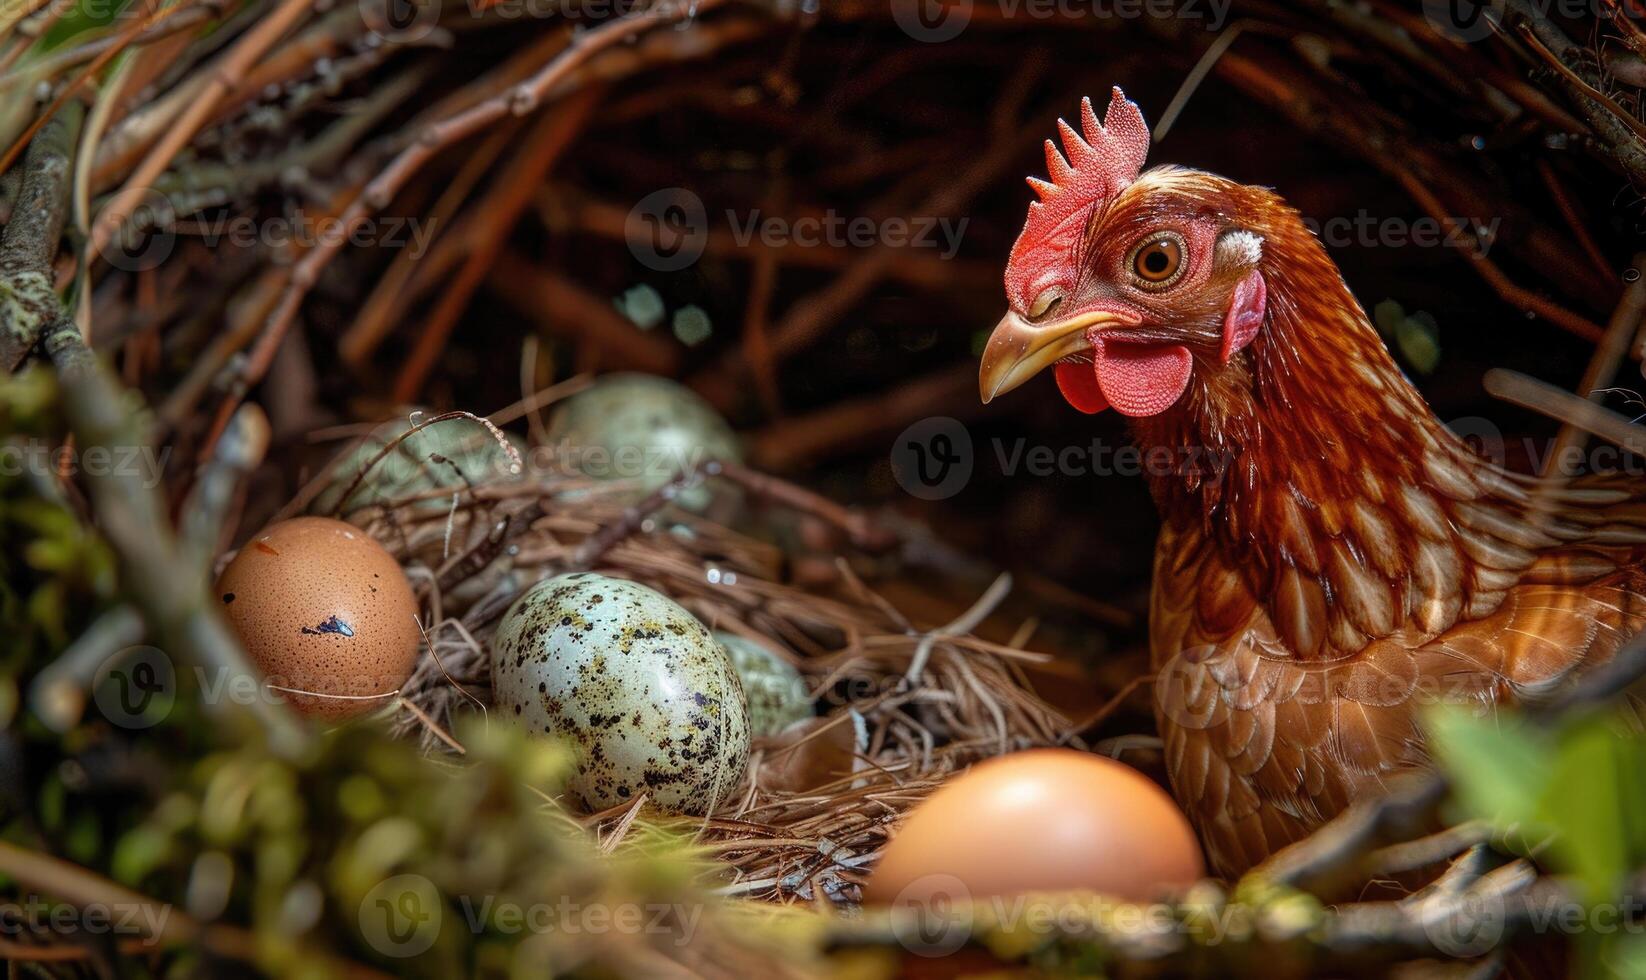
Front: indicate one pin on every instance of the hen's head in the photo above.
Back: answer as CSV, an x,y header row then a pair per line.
x,y
1130,282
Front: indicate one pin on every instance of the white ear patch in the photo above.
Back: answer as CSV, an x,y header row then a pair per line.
x,y
1240,249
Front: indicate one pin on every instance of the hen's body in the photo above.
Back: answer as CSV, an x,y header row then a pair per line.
x,y
1345,562
1351,565
1263,747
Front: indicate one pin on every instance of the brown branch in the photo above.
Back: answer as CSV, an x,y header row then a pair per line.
x,y
72,89
498,210
1334,853
517,100
1619,130
562,308
861,530
1574,221
574,210
169,589
1563,406
1383,143
860,422
470,563
28,297
1627,320
1580,84
394,289
81,887
757,351
223,77
812,316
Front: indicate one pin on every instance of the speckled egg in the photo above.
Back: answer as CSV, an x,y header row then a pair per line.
x,y
776,692
321,607
447,455
636,683
644,429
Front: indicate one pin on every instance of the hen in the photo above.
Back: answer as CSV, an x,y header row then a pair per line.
x,y
1332,558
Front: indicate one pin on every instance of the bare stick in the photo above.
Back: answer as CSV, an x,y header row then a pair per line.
x,y
224,76
28,301
519,100
169,589
1557,403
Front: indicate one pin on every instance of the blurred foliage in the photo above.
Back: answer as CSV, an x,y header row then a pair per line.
x,y
1569,797
53,570
1415,335
368,852
79,19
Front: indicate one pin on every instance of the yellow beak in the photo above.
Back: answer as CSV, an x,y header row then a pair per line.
x,y
1019,350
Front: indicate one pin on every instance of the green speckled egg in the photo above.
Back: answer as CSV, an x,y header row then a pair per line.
x,y
411,468
638,685
642,428
776,691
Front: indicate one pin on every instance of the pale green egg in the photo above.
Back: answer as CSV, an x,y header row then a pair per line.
x,y
775,690
643,429
633,681
448,455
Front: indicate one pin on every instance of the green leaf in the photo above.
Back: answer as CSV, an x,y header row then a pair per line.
x,y
1584,800
139,852
1418,338
1624,957
1499,769
1388,315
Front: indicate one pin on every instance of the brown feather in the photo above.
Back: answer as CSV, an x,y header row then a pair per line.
x,y
1354,564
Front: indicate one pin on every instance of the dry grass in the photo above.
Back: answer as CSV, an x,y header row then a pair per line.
x,y
901,705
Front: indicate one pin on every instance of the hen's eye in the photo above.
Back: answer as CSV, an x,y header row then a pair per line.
x,y
1158,261
1044,303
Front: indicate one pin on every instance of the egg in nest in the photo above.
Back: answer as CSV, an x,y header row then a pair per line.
x,y
638,685
1042,820
320,607
775,690
644,429
451,455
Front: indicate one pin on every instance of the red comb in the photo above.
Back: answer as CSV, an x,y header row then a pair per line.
x,y
1102,160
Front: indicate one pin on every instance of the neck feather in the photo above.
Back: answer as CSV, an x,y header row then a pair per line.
x,y
1329,483
1313,403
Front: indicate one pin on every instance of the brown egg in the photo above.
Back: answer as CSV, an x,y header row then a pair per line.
x,y
1041,820
322,608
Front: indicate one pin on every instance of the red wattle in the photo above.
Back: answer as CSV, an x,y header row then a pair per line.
x,y
1141,379
1078,382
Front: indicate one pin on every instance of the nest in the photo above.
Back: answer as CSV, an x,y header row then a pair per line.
x,y
900,705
